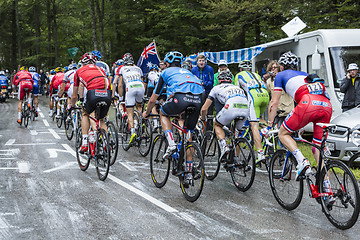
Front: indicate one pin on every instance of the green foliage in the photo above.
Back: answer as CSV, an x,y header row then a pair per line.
x,y
188,26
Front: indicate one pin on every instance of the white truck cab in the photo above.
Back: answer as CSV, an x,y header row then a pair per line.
x,y
326,52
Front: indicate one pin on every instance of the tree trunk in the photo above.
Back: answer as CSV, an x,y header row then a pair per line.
x,y
37,32
93,20
18,31
257,32
55,34
48,16
100,13
14,38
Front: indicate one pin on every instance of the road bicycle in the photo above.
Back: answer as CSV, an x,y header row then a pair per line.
x,y
240,162
187,162
339,201
63,112
113,140
72,122
26,112
98,150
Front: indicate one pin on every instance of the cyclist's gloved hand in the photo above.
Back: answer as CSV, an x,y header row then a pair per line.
x,y
56,98
80,102
264,131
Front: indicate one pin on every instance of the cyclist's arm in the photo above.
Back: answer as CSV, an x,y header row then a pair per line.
x,y
273,106
120,86
204,108
115,84
154,96
74,96
62,89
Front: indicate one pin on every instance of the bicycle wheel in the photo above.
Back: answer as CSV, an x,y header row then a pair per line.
x,y
145,134
344,211
210,149
118,118
354,161
69,128
83,159
192,180
243,171
26,115
199,132
125,133
102,154
270,151
159,167
59,120
287,192
113,141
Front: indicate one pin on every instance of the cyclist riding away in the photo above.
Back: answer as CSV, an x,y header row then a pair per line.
x,y
131,75
56,82
236,105
313,105
256,88
36,87
24,80
68,83
98,89
183,90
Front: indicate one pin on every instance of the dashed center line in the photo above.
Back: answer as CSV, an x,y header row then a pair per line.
x,y
54,133
46,123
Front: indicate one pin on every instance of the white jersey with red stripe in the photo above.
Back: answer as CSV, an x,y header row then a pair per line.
x,y
69,76
131,75
290,81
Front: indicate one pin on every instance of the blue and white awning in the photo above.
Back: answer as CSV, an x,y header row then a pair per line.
x,y
232,56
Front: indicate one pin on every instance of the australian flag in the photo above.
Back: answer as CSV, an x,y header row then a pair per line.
x,y
148,57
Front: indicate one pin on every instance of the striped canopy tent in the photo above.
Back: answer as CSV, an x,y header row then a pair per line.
x,y
232,56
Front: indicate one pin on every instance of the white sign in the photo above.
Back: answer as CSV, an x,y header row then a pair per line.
x,y
293,27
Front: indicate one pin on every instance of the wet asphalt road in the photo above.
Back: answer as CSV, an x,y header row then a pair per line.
x,y
44,195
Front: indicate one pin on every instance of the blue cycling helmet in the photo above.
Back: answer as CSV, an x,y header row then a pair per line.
x,y
66,68
174,56
72,66
154,66
52,72
97,54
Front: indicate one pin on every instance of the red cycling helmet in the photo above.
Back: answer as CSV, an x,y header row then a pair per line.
x,y
88,58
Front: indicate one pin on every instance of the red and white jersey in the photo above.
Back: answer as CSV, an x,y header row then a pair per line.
x,y
69,76
57,80
92,77
131,75
21,76
117,70
289,81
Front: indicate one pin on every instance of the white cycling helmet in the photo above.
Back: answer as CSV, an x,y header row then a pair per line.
x,y
32,69
289,60
2,73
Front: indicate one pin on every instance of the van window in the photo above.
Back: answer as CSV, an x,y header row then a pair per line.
x,y
322,72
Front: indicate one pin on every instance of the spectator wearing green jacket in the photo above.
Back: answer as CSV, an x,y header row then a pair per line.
x,y
222,67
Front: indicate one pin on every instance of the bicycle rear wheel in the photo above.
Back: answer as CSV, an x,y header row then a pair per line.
x,y
159,167
145,134
69,128
82,158
243,171
102,155
125,133
113,141
344,211
192,181
211,152
287,192
59,120
26,115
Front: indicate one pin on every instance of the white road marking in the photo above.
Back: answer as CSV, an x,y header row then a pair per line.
x,y
6,158
41,115
60,167
54,133
8,168
46,123
143,195
10,142
24,167
130,168
33,132
32,144
53,152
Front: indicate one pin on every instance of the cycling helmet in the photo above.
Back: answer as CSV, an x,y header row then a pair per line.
x,y
119,62
66,69
58,69
104,66
52,72
72,66
289,60
32,69
174,56
225,76
154,66
187,65
245,64
97,54
311,78
88,58
22,68
7,70
128,59
2,73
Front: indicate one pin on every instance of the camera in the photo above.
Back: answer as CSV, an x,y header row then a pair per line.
x,y
271,74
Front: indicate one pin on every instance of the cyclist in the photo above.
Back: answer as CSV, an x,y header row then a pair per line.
x,y
256,89
151,80
3,82
183,90
36,87
68,83
236,104
131,75
24,80
313,105
56,82
98,89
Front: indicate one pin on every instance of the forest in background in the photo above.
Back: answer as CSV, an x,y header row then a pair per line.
x,y
39,32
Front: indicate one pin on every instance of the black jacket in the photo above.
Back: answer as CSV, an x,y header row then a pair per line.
x,y
352,92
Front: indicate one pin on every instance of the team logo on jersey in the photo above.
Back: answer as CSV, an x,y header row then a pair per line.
x,y
226,106
175,100
187,76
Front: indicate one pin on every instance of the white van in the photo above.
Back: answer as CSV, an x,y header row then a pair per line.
x,y
325,52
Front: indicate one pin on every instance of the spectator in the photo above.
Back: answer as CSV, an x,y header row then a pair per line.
x,y
162,65
285,103
43,80
350,86
222,67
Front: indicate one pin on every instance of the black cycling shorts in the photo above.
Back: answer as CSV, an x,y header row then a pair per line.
x,y
95,96
149,91
179,102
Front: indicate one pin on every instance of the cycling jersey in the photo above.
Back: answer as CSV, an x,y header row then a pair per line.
x,y
256,88
22,75
56,82
313,102
24,80
152,78
178,80
206,75
131,76
92,77
36,79
69,82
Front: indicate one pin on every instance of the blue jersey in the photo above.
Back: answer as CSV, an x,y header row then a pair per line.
x,y
206,75
178,80
289,81
35,77
3,80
